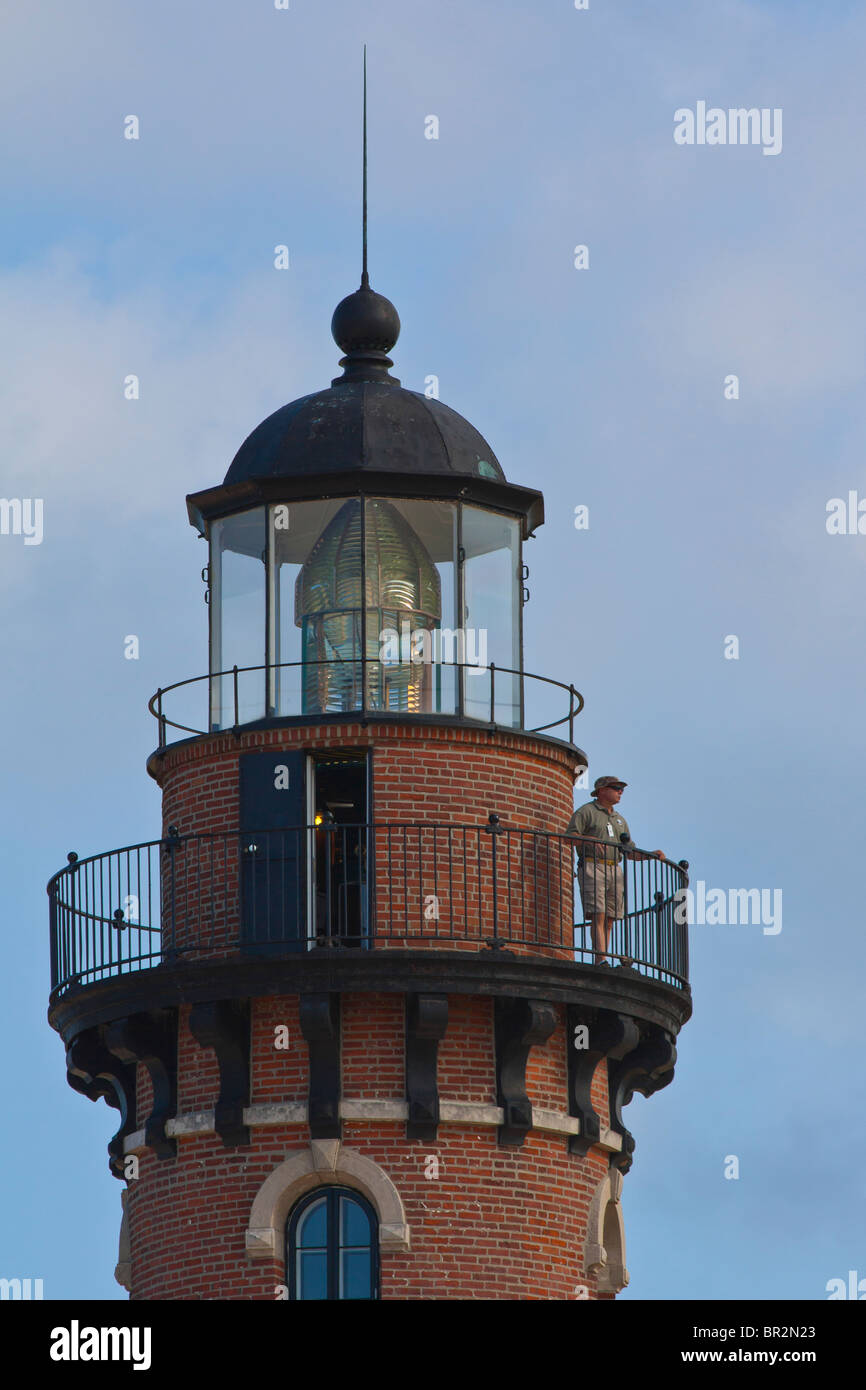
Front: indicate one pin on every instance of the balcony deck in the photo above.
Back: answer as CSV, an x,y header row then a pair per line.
x,y
310,890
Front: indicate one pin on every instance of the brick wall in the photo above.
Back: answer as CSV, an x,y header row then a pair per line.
x,y
422,776
497,1223
420,773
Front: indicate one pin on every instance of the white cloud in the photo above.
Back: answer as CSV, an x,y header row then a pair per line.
x,y
208,373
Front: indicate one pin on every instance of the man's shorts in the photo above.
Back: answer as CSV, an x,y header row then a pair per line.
x,y
601,889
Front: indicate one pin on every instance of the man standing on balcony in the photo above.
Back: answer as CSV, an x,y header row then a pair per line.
x,y
604,838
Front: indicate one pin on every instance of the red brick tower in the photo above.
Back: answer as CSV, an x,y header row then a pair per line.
x,y
358,1046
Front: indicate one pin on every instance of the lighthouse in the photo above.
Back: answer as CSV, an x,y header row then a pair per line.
x,y
345,1005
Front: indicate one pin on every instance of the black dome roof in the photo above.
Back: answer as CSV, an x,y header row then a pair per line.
x,y
375,425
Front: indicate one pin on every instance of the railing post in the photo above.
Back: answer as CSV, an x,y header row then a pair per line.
x,y
493,694
170,845
368,892
328,862
72,962
119,926
494,829
684,973
658,902
626,954
571,693
160,718
52,924
235,683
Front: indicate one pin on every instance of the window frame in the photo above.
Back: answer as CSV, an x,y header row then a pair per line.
x,y
332,1193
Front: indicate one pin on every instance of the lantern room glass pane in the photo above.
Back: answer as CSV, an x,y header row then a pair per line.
x,y
491,627
238,600
399,605
411,566
327,610
306,632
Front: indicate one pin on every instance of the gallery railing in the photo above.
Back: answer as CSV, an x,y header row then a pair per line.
x,y
367,686
356,887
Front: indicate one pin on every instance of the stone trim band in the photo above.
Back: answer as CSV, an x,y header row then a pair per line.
x,y
295,1112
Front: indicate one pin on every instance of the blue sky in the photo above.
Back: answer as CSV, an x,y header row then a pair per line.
x,y
604,387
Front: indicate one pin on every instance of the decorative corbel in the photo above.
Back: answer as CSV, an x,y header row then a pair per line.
x,y
647,1068
426,1022
94,1071
608,1035
224,1025
320,1025
520,1025
151,1038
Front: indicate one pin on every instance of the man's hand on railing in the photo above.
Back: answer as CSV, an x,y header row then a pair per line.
x,y
635,853
631,851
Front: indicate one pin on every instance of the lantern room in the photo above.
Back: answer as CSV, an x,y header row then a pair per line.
x,y
366,554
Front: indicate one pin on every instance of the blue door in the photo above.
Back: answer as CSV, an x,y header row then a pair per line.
x,y
273,850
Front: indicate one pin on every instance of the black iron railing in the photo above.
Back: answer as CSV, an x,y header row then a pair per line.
x,y
493,695
354,887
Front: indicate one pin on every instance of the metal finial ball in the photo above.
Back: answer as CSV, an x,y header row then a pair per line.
x,y
365,321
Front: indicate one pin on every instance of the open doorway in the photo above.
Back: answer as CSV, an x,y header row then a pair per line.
x,y
338,791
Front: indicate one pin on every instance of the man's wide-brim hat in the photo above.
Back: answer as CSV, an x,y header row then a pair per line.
x,y
608,782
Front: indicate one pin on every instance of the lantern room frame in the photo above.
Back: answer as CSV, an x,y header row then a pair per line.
x,y
520,511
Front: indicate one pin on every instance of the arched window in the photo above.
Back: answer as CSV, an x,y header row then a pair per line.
x,y
332,1247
